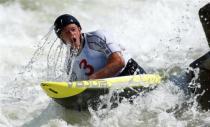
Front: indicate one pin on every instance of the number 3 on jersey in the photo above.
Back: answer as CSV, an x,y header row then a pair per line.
x,y
87,67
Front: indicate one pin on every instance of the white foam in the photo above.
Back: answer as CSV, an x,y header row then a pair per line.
x,y
158,34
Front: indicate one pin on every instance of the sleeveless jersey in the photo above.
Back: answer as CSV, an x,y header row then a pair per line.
x,y
97,47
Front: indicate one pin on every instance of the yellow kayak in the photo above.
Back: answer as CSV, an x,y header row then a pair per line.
x,y
79,93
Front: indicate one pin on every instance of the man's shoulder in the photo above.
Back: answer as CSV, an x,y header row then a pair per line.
x,y
101,34
97,40
97,34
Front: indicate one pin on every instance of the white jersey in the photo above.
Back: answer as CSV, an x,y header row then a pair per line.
x,y
97,47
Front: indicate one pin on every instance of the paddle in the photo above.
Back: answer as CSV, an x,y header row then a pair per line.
x,y
204,15
202,78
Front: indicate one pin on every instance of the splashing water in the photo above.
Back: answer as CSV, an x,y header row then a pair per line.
x,y
162,35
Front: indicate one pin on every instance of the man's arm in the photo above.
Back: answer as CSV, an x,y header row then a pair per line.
x,y
114,64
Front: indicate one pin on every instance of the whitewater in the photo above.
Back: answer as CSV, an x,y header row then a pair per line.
x,y
164,36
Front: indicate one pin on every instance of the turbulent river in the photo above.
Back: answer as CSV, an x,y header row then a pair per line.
x,y
164,36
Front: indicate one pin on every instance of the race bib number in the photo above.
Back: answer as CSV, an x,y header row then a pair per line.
x,y
87,67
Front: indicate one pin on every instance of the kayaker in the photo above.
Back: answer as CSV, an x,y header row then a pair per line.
x,y
96,54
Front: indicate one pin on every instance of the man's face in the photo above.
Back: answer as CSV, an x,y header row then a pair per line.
x,y
71,35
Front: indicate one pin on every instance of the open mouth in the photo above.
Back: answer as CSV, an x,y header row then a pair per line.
x,y
74,39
